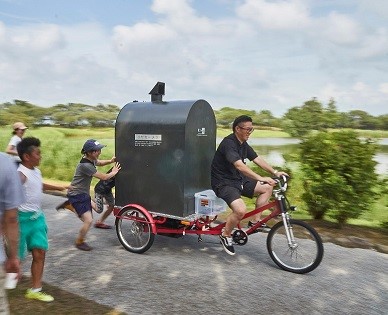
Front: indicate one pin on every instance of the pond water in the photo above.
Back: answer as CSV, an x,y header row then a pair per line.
x,y
273,150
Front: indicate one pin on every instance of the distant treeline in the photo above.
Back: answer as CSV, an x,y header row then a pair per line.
x,y
297,121
312,115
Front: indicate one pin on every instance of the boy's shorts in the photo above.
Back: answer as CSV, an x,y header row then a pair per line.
x,y
99,198
82,203
33,232
232,193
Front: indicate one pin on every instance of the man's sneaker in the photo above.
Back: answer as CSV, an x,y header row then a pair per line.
x,y
263,228
227,243
41,296
83,246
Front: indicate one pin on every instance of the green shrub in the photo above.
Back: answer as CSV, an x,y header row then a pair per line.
x,y
340,175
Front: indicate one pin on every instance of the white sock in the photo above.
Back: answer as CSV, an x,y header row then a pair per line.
x,y
36,290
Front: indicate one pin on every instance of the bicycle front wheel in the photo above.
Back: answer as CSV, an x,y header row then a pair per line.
x,y
134,230
303,254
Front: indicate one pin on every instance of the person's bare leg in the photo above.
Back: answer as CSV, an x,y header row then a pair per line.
x,y
105,214
37,266
263,193
238,211
87,220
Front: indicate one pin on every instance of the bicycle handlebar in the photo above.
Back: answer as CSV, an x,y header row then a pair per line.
x,y
282,181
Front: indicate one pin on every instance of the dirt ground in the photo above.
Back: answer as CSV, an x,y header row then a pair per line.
x,y
352,236
64,303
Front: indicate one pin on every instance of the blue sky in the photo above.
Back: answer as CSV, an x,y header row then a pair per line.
x,y
252,54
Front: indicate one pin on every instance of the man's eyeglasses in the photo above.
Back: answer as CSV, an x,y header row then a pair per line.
x,y
250,130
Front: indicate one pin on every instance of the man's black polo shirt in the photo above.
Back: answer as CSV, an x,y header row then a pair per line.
x,y
229,151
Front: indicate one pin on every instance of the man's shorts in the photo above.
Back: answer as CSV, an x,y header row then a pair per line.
x,y
232,193
33,232
99,198
82,203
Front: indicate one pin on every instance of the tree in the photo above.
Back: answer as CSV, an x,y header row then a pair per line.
x,y
362,120
340,174
20,111
299,121
226,115
264,118
382,122
99,118
331,117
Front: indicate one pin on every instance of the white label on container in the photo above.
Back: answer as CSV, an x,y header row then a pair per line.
x,y
147,140
201,132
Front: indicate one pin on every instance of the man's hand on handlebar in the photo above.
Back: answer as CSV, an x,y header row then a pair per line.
x,y
280,173
268,180
275,179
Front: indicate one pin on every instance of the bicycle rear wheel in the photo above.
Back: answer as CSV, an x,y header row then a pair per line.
x,y
303,255
134,230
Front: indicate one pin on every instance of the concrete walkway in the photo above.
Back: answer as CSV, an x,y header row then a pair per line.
x,y
182,276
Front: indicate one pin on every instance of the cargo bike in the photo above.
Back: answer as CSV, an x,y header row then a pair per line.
x,y
165,149
292,244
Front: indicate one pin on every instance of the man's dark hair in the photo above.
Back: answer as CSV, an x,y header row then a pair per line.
x,y
27,145
240,119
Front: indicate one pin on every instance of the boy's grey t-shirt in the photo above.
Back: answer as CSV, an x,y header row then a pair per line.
x,y
82,178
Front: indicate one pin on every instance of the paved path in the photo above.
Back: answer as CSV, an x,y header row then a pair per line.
x,y
182,276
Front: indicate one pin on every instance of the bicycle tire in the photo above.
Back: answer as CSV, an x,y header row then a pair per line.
x,y
304,256
134,231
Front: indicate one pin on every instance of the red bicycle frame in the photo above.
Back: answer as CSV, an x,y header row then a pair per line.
x,y
202,226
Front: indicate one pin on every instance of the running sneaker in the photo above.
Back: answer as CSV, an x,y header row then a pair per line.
x,y
40,296
227,243
83,246
263,228
65,205
100,225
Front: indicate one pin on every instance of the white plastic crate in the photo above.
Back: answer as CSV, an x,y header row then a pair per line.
x,y
207,203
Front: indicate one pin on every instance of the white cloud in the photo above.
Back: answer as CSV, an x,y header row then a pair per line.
x,y
279,15
127,39
383,88
264,55
339,29
49,64
180,15
32,39
374,45
2,32
356,96
379,8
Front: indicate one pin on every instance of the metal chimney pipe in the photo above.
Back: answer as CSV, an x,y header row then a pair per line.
x,y
157,92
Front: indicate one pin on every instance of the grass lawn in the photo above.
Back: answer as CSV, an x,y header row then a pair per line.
x,y
61,152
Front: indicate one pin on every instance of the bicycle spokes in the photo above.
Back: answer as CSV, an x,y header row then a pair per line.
x,y
295,247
